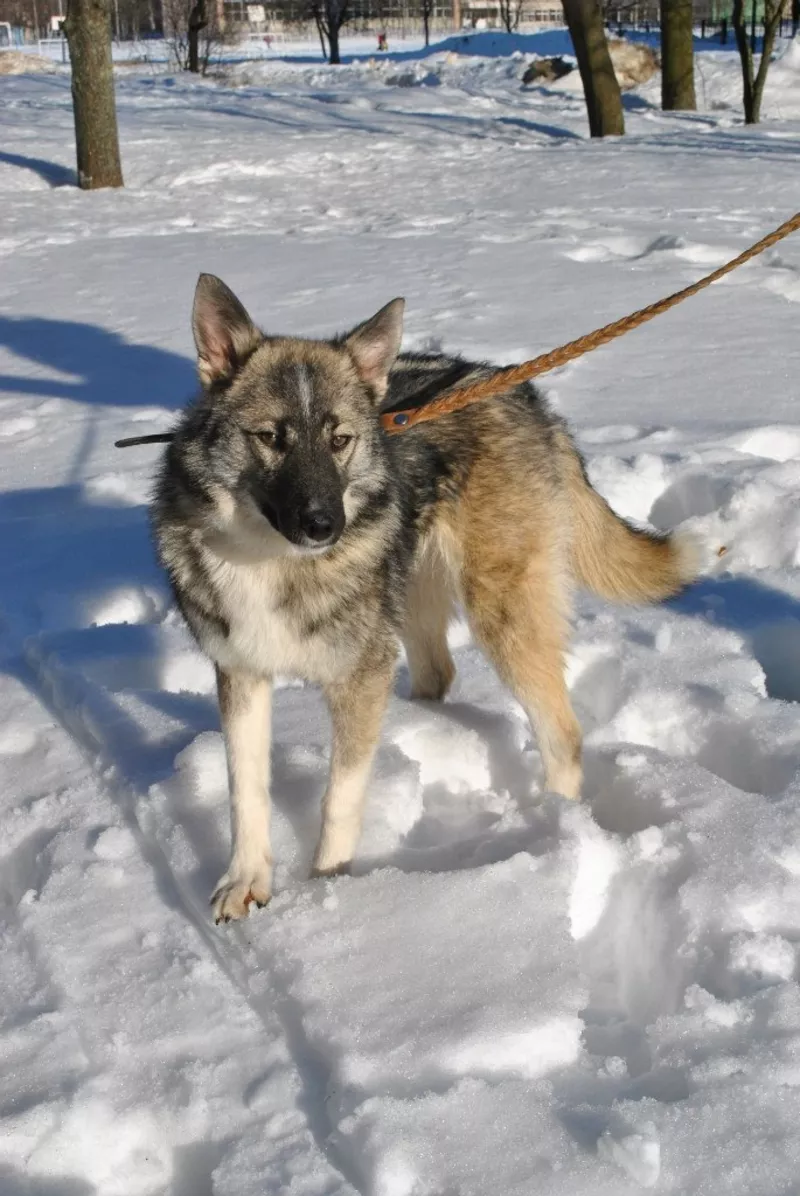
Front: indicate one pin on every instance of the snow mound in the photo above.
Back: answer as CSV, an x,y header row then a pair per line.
x,y
15,62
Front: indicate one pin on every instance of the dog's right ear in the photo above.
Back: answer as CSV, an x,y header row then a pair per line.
x,y
374,345
224,334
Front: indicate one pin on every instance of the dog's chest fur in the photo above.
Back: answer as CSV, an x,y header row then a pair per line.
x,y
278,612
267,633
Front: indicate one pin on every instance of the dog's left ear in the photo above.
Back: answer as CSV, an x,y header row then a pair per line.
x,y
374,345
224,334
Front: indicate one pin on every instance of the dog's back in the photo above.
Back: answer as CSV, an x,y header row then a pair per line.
x,y
540,476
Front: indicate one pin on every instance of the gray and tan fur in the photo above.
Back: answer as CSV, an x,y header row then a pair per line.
x,y
301,540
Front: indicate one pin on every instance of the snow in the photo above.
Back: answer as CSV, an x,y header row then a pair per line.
x,y
511,994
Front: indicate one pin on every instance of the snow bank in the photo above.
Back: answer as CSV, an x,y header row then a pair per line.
x,y
14,62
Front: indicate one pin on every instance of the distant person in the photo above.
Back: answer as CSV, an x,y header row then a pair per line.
x,y
382,42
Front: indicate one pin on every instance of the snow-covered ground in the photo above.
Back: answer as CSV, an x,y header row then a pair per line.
x,y
512,995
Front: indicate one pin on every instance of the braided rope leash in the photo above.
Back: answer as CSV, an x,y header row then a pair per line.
x,y
399,420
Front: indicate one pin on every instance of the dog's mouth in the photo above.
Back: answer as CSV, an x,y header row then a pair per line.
x,y
312,549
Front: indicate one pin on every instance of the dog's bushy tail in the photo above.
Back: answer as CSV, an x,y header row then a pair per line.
x,y
621,562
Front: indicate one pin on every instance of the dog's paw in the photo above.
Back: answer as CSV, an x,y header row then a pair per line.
x,y
242,885
320,871
432,683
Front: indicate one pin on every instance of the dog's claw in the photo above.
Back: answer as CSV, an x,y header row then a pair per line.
x,y
240,888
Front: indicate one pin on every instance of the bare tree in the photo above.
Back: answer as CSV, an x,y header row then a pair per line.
x,y
754,81
677,56
600,86
510,13
426,8
329,16
192,33
198,21
88,30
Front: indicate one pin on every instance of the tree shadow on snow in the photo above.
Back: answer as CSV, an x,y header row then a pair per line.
x,y
68,561
477,126
634,103
53,173
89,601
20,1183
106,368
707,140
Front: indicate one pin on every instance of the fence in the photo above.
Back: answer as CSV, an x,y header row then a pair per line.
x,y
54,47
717,28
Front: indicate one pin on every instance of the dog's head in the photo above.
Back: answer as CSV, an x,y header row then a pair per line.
x,y
290,432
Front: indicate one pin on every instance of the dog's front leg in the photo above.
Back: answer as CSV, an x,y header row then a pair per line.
x,y
357,707
245,705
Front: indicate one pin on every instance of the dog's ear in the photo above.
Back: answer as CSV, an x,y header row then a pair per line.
x,y
224,334
374,345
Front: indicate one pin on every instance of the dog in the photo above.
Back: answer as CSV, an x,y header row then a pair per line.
x,y
301,539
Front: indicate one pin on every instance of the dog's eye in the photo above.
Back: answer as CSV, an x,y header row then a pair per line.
x,y
340,441
270,439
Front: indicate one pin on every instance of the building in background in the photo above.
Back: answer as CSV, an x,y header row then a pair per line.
x,y
36,19
131,19
283,15
445,15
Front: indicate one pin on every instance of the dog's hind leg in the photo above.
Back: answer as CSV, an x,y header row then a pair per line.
x,y
429,607
245,706
357,707
519,614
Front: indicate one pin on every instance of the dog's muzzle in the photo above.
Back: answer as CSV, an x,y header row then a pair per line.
x,y
318,525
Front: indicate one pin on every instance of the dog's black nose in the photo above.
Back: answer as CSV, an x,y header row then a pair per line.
x,y
318,524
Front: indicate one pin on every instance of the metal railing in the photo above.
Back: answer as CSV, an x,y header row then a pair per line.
x,y
54,47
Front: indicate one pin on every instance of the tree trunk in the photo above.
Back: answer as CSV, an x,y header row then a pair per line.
x,y
320,30
88,30
600,86
753,82
333,41
677,57
426,21
745,57
197,23
771,22
193,61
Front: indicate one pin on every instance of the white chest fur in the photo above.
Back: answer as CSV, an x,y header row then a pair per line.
x,y
264,635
